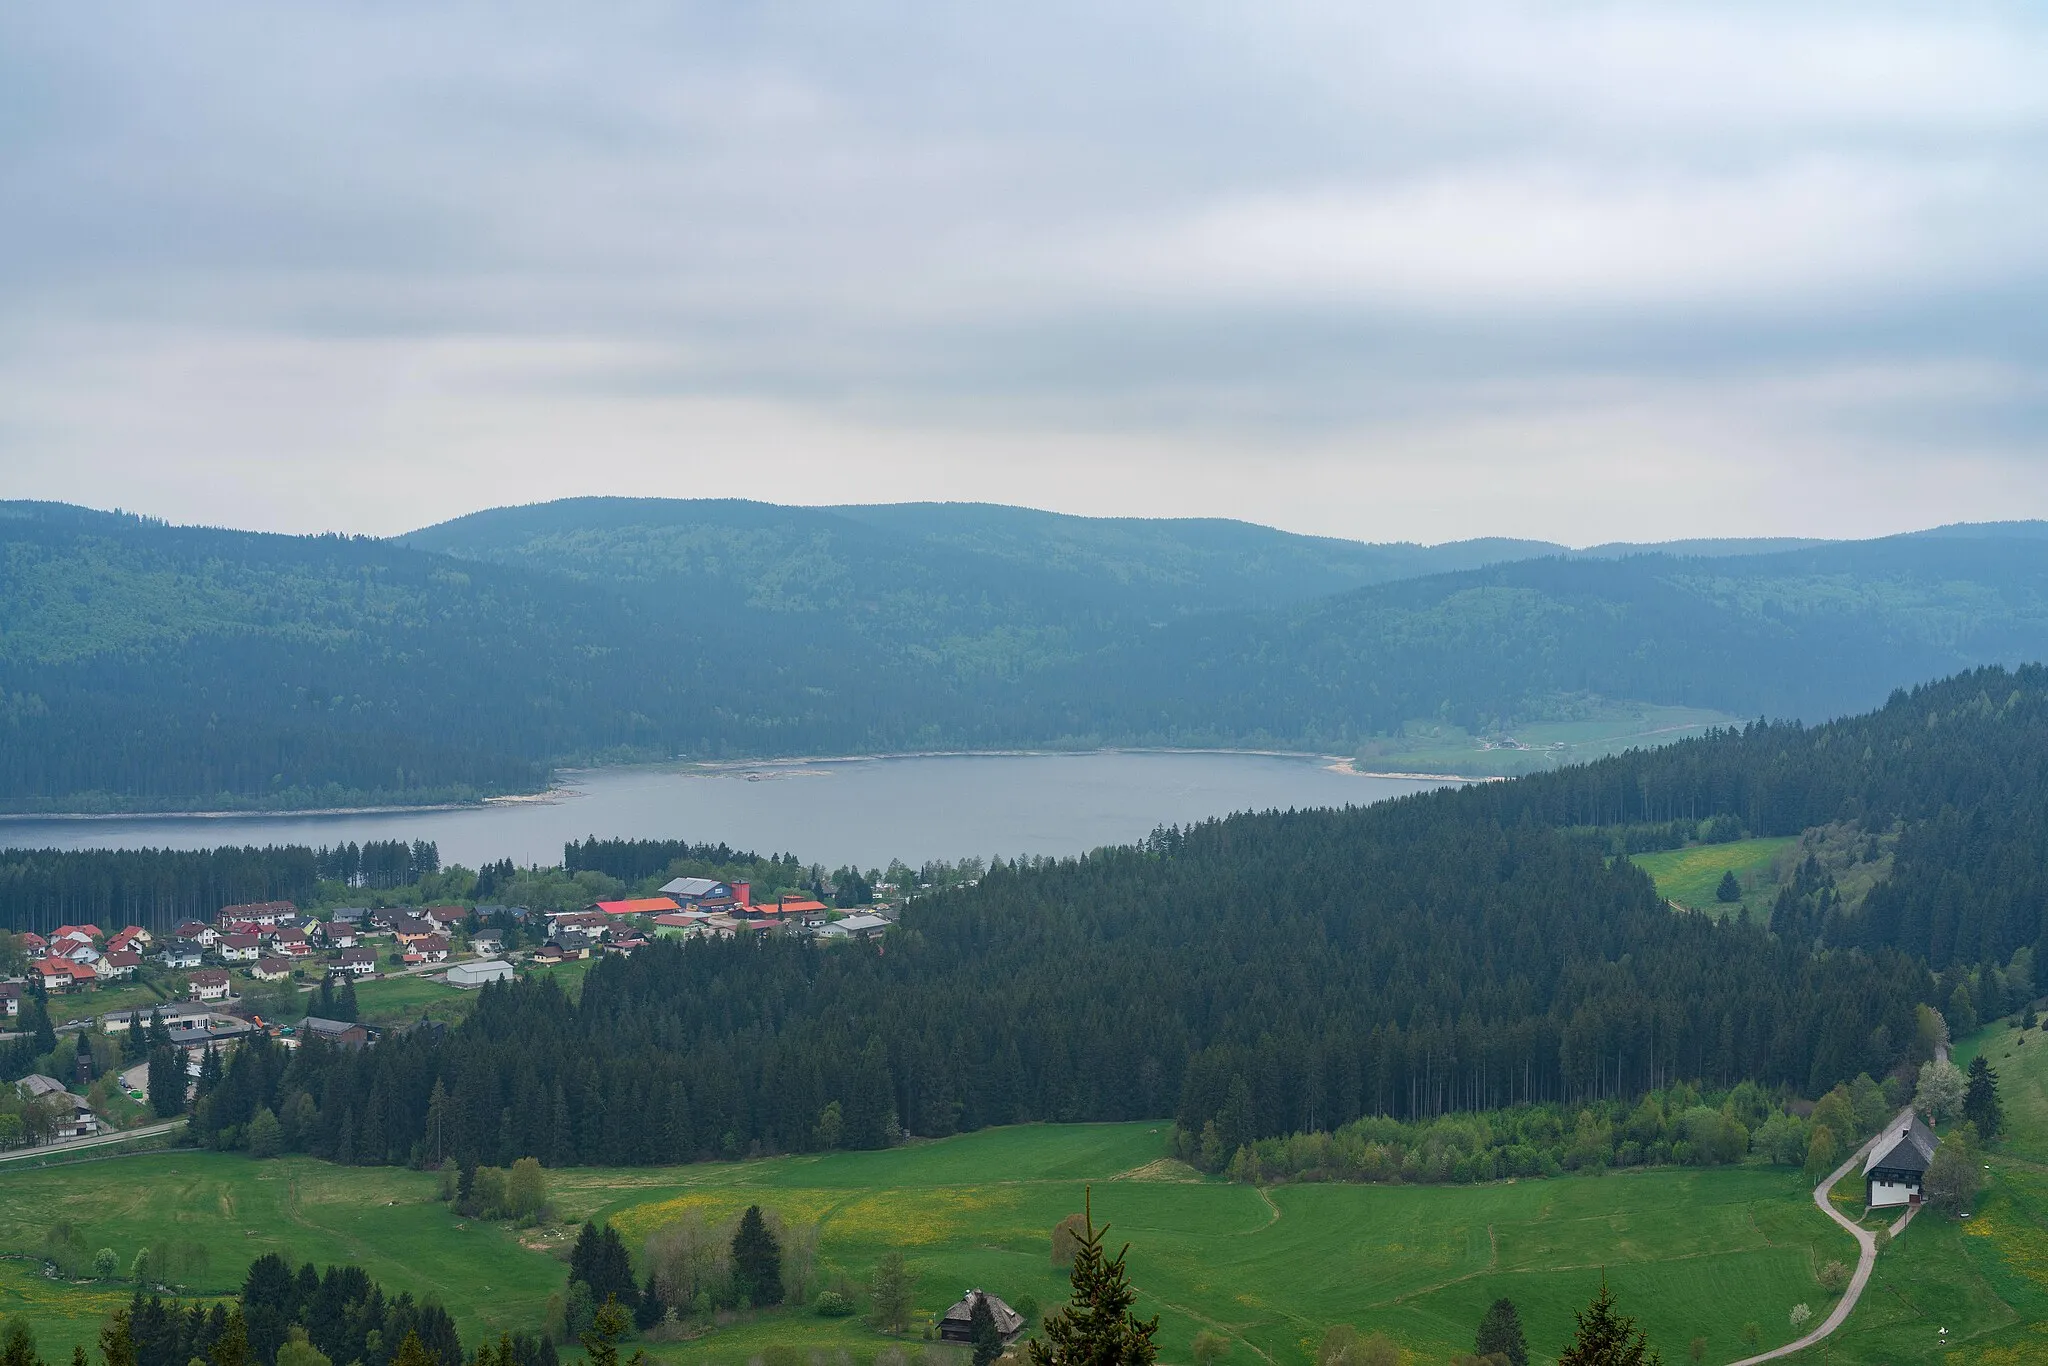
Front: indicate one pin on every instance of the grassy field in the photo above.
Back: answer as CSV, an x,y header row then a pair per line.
x,y
1598,729
1985,1278
1690,876
401,1000
1693,1252
79,1005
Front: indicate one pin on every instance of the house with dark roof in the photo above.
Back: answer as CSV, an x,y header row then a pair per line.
x,y
1897,1165
958,1325
356,962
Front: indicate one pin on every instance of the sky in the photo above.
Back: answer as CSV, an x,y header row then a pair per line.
x,y
1583,272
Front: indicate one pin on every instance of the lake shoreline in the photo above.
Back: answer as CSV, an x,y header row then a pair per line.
x,y
562,789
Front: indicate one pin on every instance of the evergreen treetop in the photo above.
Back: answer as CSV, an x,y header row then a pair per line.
x,y
1097,1327
1607,1337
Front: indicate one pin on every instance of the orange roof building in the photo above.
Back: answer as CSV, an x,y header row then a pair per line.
x,y
643,905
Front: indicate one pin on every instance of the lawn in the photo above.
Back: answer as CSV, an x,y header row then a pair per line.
x,y
1985,1279
1691,876
1601,728
79,1005
1692,1252
401,1000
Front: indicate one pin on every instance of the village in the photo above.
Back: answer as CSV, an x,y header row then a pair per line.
x,y
273,969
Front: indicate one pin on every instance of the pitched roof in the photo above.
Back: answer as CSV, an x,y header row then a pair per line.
x,y
1902,1147
1007,1319
640,905
794,908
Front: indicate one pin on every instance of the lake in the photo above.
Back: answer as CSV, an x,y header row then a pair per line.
x,y
864,811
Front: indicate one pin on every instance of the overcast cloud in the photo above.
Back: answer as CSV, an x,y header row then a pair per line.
x,y
1582,272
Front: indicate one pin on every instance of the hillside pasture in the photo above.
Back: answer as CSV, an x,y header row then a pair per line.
x,y
1690,876
1694,1252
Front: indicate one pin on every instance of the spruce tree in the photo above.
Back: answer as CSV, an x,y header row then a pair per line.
x,y
982,1331
1606,1337
1097,1327
1500,1332
1730,889
756,1260
1981,1105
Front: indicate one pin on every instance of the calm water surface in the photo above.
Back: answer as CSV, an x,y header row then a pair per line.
x,y
864,810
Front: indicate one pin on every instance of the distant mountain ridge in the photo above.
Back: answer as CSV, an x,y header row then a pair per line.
x,y
152,666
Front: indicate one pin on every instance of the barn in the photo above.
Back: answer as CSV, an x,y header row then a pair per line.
x,y
958,1325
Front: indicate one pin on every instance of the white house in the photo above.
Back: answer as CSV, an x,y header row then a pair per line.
x,y
1897,1164
210,984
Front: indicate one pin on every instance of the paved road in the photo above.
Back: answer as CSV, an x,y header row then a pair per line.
x,y
1866,1241
78,1145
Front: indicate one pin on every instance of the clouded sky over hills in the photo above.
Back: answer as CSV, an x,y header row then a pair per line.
x,y
1581,272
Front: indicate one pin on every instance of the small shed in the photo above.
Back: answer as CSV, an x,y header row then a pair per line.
x,y
958,1325
1898,1162
478,972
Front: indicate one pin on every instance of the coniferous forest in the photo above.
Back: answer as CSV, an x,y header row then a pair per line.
x,y
152,667
1455,950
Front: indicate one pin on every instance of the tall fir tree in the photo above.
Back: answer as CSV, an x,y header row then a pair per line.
x,y
982,1331
1097,1327
1500,1333
1981,1105
756,1260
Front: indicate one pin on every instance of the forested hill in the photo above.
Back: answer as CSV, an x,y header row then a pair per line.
x,y
147,666
1289,971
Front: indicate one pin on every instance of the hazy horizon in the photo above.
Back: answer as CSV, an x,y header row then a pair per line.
x,y
1626,273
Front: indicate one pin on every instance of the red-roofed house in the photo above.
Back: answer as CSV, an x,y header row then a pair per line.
x,y
644,905
291,943
61,974
33,944
198,932
131,939
91,932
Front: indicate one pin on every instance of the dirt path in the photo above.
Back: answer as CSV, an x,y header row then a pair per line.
x,y
1866,1258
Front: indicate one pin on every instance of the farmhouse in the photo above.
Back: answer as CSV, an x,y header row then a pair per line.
x,y
958,1325
75,1121
477,973
1897,1164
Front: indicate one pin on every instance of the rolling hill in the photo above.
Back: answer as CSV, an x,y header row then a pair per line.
x,y
145,666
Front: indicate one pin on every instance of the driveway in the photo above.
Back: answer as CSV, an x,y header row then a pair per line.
x,y
1866,1241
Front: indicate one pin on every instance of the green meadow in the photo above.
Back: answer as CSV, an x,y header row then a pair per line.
x,y
1690,876
1985,1278
1694,1252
